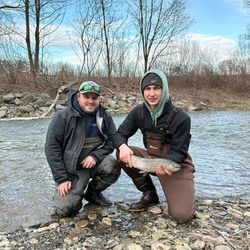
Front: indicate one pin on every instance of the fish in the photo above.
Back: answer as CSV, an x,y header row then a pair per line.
x,y
150,164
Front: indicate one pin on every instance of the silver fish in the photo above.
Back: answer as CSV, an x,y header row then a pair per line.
x,y
150,164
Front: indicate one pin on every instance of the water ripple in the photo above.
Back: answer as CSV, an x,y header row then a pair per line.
x,y
220,149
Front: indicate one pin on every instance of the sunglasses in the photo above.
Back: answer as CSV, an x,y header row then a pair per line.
x,y
88,87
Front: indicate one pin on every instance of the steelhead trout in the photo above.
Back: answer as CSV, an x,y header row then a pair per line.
x,y
150,164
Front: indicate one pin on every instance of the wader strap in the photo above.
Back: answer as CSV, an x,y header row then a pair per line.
x,y
89,145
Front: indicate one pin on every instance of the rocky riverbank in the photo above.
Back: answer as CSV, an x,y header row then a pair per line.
x,y
36,105
33,105
218,224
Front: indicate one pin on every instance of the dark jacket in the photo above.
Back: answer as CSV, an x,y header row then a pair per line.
x,y
65,139
179,129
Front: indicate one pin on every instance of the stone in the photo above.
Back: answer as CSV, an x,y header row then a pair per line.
x,y
232,226
134,246
4,242
92,216
3,113
106,221
198,244
134,233
71,239
8,98
222,247
183,246
81,224
17,101
119,247
155,210
235,213
160,246
25,109
247,214
33,241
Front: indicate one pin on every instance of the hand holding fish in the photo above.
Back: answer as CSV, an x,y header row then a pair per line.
x,y
162,170
125,155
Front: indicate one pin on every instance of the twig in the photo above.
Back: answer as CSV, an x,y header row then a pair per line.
x,y
232,245
241,231
109,90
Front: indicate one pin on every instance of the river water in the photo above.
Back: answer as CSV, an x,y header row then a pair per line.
x,y
220,148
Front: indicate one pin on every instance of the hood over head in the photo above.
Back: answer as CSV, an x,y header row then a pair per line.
x,y
155,77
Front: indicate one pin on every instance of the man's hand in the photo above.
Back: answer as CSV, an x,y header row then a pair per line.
x,y
125,155
88,162
161,170
64,188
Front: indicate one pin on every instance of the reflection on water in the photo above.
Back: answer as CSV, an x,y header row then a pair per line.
x,y
220,149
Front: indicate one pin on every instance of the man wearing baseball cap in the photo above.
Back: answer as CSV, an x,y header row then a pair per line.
x,y
78,147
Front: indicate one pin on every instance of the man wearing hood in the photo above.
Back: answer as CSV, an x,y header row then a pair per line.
x,y
166,134
78,147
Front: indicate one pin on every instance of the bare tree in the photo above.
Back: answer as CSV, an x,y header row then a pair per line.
x,y
5,16
41,19
111,25
87,36
100,36
244,39
157,23
244,42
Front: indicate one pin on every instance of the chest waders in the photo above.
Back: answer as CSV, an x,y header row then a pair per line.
x,y
96,180
178,187
156,144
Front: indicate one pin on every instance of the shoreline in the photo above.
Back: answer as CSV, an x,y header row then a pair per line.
x,y
19,105
23,118
217,223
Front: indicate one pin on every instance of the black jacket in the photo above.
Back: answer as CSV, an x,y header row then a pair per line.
x,y
179,129
65,139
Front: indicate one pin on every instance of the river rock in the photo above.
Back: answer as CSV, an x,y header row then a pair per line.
x,y
17,102
4,242
71,239
247,214
26,109
183,246
8,97
155,210
106,221
198,244
134,234
235,213
119,247
3,113
81,224
222,247
134,246
160,246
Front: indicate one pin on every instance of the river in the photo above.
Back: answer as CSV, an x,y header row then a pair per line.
x,y
220,148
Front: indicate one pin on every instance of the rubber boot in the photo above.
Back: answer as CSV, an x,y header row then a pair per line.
x,y
149,196
93,193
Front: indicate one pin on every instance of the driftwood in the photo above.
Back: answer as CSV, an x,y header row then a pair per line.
x,y
60,91
64,89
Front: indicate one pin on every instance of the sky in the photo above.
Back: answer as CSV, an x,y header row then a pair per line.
x,y
218,23
217,26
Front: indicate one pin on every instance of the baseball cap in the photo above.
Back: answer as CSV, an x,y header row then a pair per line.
x,y
90,86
